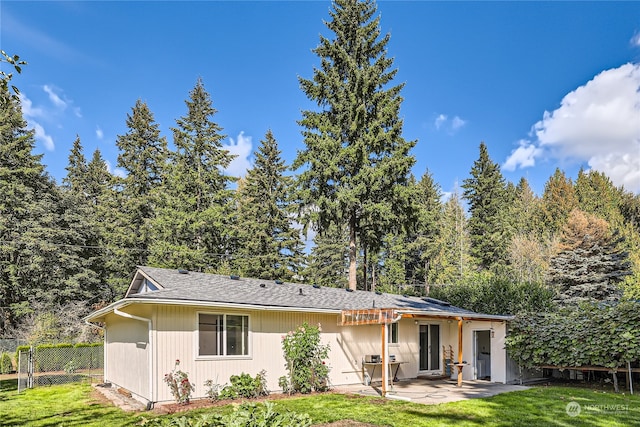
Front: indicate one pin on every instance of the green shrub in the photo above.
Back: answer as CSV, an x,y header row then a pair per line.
x,y
244,385
6,365
305,361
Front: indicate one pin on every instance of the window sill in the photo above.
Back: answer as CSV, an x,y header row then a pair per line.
x,y
245,357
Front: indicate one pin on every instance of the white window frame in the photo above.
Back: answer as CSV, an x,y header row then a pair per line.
x,y
224,356
390,327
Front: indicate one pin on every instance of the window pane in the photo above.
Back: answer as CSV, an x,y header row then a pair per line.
x,y
237,335
392,333
210,334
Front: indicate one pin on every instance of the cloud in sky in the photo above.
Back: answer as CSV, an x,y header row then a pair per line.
x,y
41,135
33,115
99,133
598,123
451,126
635,40
54,97
242,147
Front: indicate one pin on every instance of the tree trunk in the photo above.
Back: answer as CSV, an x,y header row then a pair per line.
x,y
352,252
615,381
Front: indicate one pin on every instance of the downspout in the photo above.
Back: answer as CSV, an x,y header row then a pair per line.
x,y
104,348
143,319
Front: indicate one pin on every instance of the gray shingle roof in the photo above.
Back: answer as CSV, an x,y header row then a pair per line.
x,y
213,288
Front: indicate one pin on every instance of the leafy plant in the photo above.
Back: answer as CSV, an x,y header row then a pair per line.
x,y
244,385
246,415
6,365
305,360
71,367
178,382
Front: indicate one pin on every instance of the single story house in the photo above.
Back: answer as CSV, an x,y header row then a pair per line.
x,y
218,326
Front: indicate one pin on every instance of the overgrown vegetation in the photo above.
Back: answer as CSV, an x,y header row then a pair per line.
x,y
305,357
593,334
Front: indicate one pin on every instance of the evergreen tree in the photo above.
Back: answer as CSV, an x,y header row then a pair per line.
x,y
268,244
85,263
487,195
30,267
558,200
423,245
589,263
329,258
133,204
597,195
452,259
356,163
194,214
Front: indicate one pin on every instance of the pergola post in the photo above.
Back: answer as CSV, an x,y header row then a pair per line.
x,y
384,360
459,364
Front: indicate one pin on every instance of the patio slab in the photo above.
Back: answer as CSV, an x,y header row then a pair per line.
x,y
431,392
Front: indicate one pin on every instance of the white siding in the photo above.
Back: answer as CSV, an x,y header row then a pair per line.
x,y
175,337
127,354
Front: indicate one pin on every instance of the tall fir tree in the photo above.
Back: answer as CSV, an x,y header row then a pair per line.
x,y
452,258
85,264
31,267
423,238
329,258
133,204
590,263
194,214
355,164
597,195
487,195
268,244
558,200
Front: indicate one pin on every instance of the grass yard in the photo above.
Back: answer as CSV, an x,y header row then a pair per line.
x,y
73,405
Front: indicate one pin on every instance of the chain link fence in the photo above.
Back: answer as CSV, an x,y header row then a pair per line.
x,y
50,365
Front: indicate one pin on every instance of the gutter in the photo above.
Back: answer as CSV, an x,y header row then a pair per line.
x,y
149,324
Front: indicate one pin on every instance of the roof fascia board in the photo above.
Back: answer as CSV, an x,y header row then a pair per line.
x,y
129,301
451,315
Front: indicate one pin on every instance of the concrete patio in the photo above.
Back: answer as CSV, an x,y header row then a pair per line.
x,y
430,392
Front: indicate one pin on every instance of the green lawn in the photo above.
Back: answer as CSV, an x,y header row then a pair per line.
x,y
71,405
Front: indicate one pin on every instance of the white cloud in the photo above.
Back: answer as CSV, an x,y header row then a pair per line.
x,y
524,156
54,97
99,133
242,148
598,123
451,126
30,114
457,123
41,135
28,110
635,40
440,120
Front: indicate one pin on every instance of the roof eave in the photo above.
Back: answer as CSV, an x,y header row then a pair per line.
x,y
193,303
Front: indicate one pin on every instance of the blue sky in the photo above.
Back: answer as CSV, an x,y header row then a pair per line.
x,y
543,84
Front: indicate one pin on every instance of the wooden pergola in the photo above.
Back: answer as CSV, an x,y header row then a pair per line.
x,y
386,316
